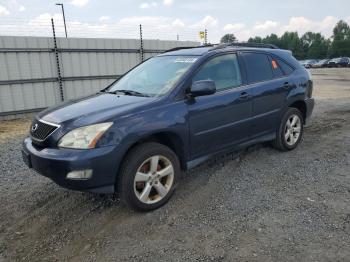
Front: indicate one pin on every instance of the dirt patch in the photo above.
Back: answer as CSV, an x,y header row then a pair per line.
x,y
13,128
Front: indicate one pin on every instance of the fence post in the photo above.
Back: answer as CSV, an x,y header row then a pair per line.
x,y
59,77
205,36
141,44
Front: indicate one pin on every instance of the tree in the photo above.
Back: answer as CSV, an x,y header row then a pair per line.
x,y
312,45
341,40
341,30
272,39
315,46
291,41
256,39
228,38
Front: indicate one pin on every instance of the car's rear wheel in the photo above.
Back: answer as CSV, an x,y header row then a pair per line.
x,y
148,176
290,131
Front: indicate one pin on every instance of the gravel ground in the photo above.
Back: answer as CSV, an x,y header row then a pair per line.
x,y
257,205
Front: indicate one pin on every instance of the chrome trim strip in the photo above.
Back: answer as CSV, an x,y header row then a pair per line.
x,y
48,123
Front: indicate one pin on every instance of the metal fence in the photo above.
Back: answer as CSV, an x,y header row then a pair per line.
x,y
37,72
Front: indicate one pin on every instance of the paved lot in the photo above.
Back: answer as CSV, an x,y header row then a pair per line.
x,y
262,205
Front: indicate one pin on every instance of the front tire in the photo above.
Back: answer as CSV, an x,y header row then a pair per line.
x,y
148,176
290,131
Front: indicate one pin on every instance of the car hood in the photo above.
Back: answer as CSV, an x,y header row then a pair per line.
x,y
94,108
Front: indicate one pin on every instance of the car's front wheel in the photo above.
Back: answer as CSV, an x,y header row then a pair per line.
x,y
290,131
148,176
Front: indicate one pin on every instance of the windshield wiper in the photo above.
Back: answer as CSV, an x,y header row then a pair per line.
x,y
130,92
126,92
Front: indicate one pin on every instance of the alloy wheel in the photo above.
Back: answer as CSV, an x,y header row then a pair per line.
x,y
154,179
292,130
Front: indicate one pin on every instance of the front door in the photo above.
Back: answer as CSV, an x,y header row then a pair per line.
x,y
223,119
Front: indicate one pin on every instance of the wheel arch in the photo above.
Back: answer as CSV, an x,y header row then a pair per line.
x,y
171,140
301,106
167,138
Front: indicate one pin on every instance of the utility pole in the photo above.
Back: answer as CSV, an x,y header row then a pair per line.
x,y
141,44
64,18
59,76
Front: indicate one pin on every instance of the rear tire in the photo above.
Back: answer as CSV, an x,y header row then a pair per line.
x,y
148,176
290,131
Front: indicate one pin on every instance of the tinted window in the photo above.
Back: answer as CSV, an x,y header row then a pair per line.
x,y
287,69
258,67
276,68
223,70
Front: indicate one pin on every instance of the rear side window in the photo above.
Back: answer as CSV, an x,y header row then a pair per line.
x,y
258,67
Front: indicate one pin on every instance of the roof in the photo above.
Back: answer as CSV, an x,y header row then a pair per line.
x,y
200,50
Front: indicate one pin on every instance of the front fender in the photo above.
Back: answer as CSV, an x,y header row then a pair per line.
x,y
170,118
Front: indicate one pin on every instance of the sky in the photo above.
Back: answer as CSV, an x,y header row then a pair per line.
x,y
165,19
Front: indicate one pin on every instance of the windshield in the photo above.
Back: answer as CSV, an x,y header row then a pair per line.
x,y
155,77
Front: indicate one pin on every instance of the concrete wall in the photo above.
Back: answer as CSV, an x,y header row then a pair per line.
x,y
28,67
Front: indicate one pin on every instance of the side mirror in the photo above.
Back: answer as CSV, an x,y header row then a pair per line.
x,y
202,88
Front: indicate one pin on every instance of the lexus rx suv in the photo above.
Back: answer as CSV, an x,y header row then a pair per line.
x,y
169,114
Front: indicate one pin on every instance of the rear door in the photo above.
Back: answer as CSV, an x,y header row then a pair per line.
x,y
223,119
270,86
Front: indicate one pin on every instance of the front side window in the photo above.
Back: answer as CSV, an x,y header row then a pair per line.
x,y
223,70
258,67
156,76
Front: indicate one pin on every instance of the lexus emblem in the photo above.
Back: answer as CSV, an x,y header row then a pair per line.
x,y
34,127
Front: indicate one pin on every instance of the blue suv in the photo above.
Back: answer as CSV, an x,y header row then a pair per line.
x,y
169,114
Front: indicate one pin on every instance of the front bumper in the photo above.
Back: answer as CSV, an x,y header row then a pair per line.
x,y
57,163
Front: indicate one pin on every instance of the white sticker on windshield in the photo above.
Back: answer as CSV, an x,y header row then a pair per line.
x,y
185,60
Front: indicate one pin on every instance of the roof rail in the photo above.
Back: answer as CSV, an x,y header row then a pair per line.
x,y
185,47
255,45
221,46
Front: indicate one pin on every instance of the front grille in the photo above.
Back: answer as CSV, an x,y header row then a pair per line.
x,y
40,130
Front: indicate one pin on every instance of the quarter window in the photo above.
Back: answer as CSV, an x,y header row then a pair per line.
x,y
287,69
276,68
223,70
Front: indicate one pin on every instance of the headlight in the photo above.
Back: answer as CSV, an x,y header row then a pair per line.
x,y
84,137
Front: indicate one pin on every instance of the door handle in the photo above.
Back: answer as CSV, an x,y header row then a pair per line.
x,y
244,95
286,85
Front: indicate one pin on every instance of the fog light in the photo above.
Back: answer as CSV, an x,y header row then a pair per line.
x,y
80,175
